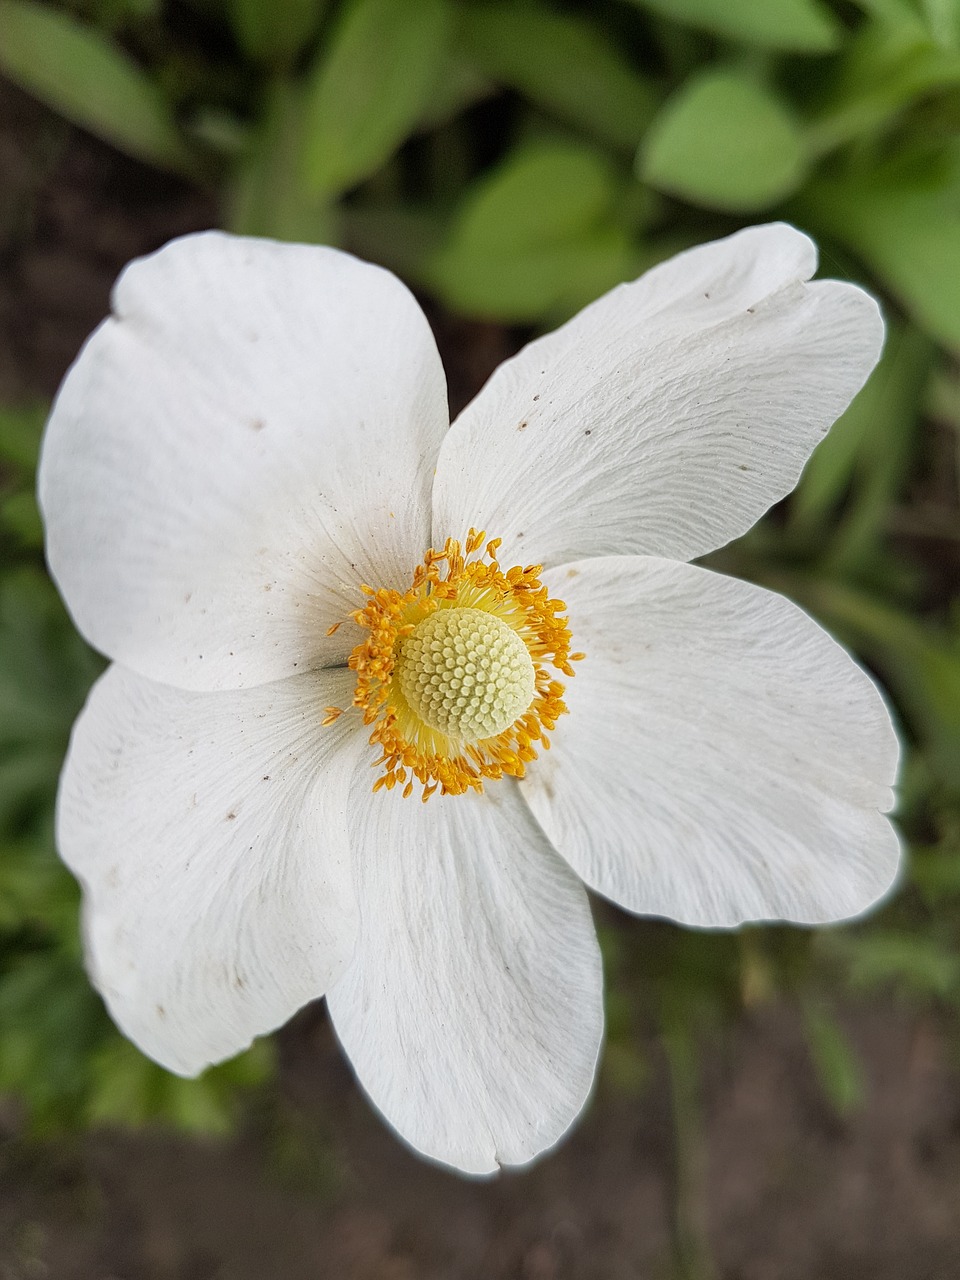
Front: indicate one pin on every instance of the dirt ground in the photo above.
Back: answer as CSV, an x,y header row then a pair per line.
x,y
315,1186
792,1193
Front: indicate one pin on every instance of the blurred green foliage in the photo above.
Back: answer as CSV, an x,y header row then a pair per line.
x,y
514,159
724,141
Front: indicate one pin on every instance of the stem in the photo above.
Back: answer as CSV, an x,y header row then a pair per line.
x,y
691,1253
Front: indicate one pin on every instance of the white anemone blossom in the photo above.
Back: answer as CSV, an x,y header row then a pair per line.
x,y
324,605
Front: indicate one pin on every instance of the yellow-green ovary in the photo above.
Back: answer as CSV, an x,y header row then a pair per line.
x,y
466,673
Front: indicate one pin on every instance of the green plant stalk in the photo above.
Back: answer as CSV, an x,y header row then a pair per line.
x,y
692,1258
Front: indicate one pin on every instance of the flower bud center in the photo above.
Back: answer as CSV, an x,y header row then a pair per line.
x,y
465,673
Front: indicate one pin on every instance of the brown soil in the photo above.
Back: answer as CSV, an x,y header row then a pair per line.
x,y
316,1186
792,1193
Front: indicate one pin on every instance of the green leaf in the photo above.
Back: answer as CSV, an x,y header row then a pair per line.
x,y
45,668
908,231
943,20
831,466
128,1089
936,872
882,73
124,1086
536,234
885,461
28,781
898,14
544,193
459,85
913,964
539,281
943,403
86,79
802,25
724,142
52,1022
36,890
563,64
626,1069
920,662
20,430
870,443
370,88
21,515
838,1067
274,32
19,440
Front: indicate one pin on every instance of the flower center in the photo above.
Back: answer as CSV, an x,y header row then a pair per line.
x,y
453,675
465,673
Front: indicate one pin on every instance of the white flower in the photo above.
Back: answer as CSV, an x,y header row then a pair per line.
x,y
261,428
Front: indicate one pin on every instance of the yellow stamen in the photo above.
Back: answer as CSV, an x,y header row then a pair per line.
x,y
453,675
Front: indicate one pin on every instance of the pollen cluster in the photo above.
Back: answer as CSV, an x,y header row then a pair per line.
x,y
453,674
465,673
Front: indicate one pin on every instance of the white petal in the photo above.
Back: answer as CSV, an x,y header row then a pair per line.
x,y
250,435
667,416
208,832
472,1012
724,759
